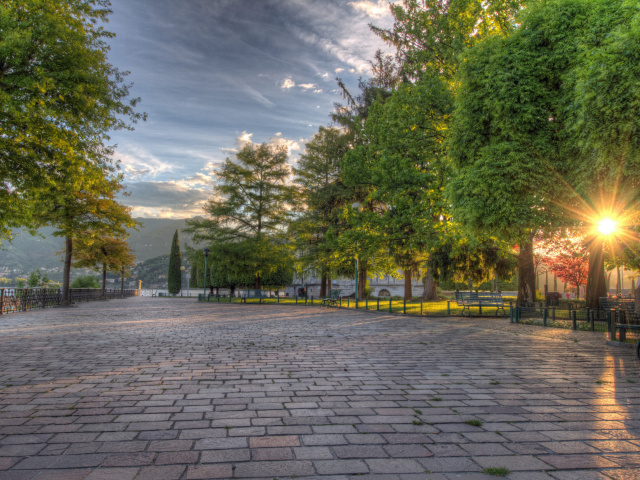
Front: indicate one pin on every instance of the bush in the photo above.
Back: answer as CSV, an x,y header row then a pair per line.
x,y
85,281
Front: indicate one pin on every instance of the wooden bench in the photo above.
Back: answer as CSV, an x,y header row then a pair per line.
x,y
628,304
480,299
255,293
332,299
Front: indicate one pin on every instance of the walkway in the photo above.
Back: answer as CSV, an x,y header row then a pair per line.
x,y
164,389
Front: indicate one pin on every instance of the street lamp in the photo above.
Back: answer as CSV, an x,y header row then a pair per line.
x,y
357,206
181,272
206,254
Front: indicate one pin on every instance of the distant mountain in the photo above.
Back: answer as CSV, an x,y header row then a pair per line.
x,y
28,253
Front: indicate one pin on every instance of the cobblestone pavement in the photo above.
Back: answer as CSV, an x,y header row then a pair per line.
x,y
163,389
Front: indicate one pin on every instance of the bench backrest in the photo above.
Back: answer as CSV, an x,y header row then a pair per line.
x,y
618,303
255,293
489,297
334,294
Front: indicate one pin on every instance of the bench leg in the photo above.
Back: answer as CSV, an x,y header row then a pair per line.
x,y
638,349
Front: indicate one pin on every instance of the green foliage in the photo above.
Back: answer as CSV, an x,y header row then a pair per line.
x,y
60,97
150,270
85,281
34,279
247,216
175,275
322,197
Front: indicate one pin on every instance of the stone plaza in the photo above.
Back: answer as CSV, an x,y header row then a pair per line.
x,y
169,389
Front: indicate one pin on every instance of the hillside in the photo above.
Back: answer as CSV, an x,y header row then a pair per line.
x,y
28,253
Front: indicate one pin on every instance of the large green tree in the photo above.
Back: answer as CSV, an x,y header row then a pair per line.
x,y
60,97
322,195
251,205
174,275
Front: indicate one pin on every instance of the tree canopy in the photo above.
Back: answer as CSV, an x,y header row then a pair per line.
x,y
60,98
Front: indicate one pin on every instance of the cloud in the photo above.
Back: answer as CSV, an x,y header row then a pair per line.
x,y
307,86
338,70
287,84
256,95
371,9
243,139
279,141
172,199
138,163
318,90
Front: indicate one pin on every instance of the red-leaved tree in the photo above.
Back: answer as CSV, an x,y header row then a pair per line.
x,y
568,259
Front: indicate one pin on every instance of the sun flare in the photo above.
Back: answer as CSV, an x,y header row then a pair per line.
x,y
606,226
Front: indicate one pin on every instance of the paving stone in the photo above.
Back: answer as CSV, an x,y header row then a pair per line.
x,y
113,474
171,458
394,465
312,453
172,472
66,474
128,459
274,469
277,441
205,472
219,456
359,451
340,467
274,454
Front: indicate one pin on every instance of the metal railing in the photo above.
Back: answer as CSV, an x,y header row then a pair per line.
x,y
22,299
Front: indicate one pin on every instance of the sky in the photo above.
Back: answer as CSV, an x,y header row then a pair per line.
x,y
213,75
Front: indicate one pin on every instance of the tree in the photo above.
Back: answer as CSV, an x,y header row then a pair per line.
x,y
322,196
105,254
84,206
175,262
34,279
251,206
508,134
527,144
60,98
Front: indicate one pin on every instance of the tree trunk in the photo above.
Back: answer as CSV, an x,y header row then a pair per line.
x,y
258,283
66,276
408,287
362,281
430,292
232,291
104,282
526,275
122,283
636,293
323,287
596,286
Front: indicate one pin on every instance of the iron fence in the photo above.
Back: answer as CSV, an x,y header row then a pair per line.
x,y
22,299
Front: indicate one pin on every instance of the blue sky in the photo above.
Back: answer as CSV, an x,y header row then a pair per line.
x,y
213,74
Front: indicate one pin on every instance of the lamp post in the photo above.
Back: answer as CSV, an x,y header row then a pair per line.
x,y
206,254
181,272
357,206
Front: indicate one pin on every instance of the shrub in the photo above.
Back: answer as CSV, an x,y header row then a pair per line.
x,y
85,281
